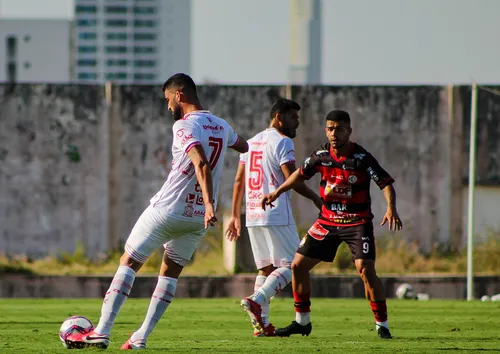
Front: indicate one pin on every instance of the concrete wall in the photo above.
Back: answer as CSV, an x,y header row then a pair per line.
x,y
437,287
49,202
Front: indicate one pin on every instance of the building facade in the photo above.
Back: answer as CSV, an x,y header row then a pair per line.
x,y
131,41
35,50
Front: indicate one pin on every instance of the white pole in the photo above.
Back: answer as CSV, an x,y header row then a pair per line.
x,y
472,178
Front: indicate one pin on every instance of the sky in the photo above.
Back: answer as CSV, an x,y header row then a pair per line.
x,y
364,41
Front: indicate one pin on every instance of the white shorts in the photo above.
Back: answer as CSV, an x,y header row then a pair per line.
x,y
274,245
154,228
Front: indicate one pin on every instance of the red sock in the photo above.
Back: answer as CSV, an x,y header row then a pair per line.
x,y
302,302
379,309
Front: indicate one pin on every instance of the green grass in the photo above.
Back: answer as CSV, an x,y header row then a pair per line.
x,y
220,326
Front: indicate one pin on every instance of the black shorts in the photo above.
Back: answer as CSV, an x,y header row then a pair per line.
x,y
322,241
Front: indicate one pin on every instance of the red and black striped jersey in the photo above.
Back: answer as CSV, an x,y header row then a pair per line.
x,y
345,184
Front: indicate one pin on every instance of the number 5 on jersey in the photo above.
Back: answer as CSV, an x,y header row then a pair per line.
x,y
256,178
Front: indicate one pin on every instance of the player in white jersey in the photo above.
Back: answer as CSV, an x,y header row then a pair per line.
x,y
273,235
178,215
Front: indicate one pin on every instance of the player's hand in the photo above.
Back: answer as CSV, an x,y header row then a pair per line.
x,y
210,218
391,216
268,199
233,229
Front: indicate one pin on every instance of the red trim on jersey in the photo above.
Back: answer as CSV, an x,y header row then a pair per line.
x,y
237,140
192,145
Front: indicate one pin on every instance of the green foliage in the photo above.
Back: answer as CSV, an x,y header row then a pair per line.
x,y
394,256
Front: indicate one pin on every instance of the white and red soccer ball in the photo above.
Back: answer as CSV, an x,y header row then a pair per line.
x,y
74,325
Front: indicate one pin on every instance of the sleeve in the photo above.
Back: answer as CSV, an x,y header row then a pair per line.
x,y
232,137
310,166
186,135
376,172
285,151
243,158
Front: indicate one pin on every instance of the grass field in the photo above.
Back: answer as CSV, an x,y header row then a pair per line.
x,y
220,326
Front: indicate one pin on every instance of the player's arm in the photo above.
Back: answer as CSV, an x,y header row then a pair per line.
x,y
385,182
240,145
391,215
287,169
293,181
204,176
234,228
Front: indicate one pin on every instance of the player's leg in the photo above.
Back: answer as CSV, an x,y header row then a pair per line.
x,y
259,312
178,252
362,245
314,248
146,236
282,242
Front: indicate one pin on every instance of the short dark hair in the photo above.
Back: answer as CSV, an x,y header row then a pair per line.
x,y
181,82
283,105
338,115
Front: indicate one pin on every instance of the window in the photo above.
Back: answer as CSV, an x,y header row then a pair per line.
x,y
144,63
116,76
87,62
116,23
116,49
87,35
11,43
116,36
87,76
144,50
86,22
11,72
144,10
82,9
144,77
117,62
144,36
116,9
87,49
144,23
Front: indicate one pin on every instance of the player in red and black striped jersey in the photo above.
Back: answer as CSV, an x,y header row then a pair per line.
x,y
346,171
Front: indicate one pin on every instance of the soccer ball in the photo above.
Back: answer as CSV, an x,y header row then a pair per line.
x,y
74,325
405,291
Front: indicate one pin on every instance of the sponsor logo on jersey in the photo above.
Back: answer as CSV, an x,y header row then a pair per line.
x,y
359,156
327,164
185,139
372,174
199,213
352,179
338,190
321,152
214,128
338,207
190,198
188,211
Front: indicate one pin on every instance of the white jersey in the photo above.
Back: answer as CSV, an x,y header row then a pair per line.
x,y
181,194
267,151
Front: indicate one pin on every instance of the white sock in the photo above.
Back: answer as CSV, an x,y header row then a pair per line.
x,y
162,297
382,324
259,281
275,282
115,297
302,318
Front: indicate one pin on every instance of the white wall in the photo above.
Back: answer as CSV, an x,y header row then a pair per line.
x,y
44,44
486,211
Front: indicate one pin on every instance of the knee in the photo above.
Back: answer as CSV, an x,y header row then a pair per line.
x,y
296,267
367,273
127,261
